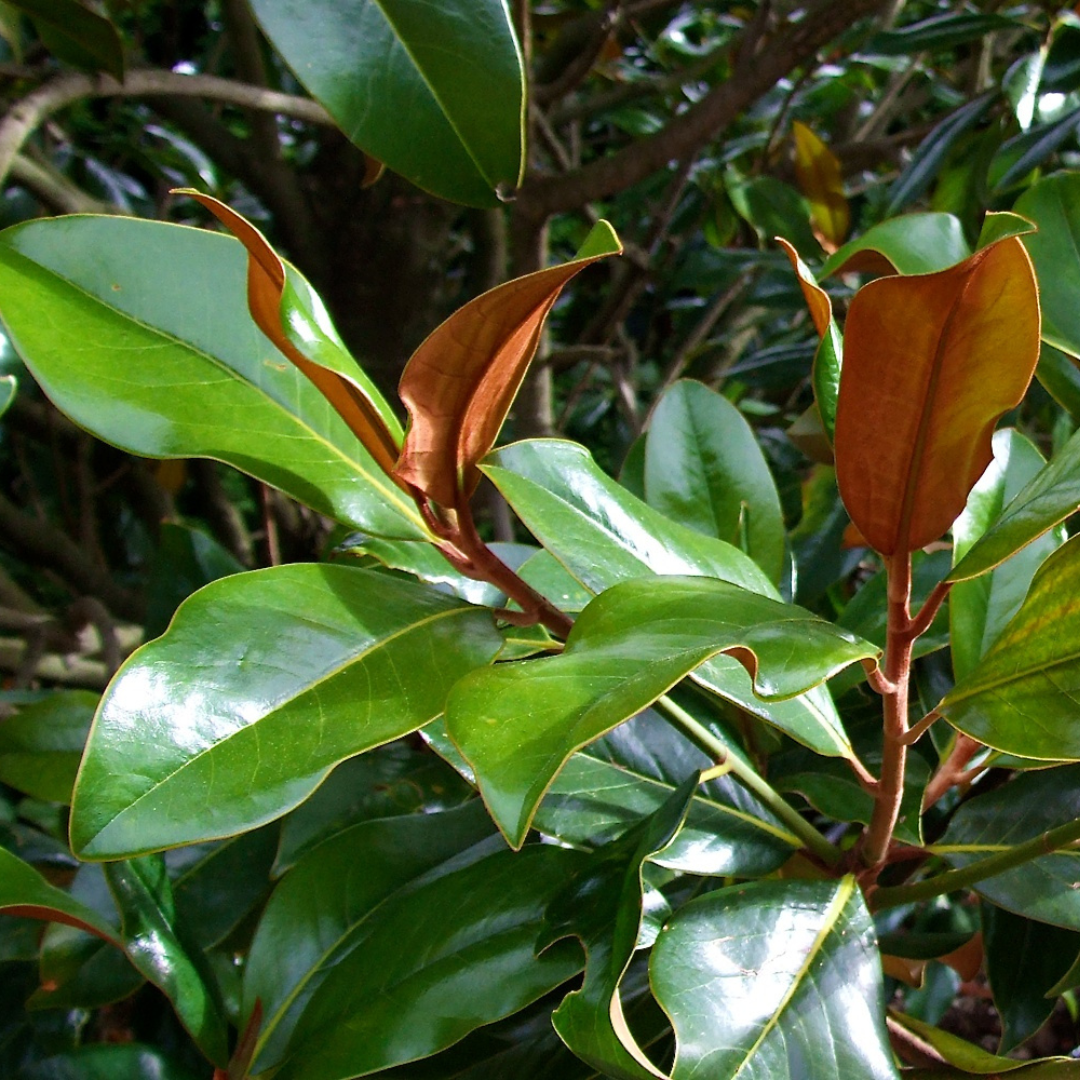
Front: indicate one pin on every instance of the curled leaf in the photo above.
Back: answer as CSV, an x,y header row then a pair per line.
x,y
459,384
269,300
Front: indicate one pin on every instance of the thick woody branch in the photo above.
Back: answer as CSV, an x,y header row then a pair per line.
x,y
704,121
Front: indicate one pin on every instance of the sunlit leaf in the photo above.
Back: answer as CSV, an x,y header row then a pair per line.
x,y
306,337
912,244
459,385
817,170
930,363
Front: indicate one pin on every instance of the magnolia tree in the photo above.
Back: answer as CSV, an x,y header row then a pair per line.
x,y
602,799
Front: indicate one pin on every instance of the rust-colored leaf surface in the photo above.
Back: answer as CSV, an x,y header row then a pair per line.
x,y
930,364
817,299
266,286
817,170
460,383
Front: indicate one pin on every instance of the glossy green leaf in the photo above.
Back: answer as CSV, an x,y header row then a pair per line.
x,y
927,161
40,746
75,34
1024,959
1020,698
240,711
614,782
435,91
969,1059
603,535
453,954
773,208
1046,501
321,908
148,917
912,244
772,979
705,469
1001,224
23,891
1019,155
8,386
1054,205
131,1061
199,379
1032,803
517,724
602,906
1060,377
939,32
980,607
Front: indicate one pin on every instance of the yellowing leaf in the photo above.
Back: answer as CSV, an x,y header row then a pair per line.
x,y
817,170
460,383
267,284
930,364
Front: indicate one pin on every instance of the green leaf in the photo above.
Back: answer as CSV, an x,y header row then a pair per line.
x,y
8,385
604,789
1034,802
453,954
41,745
199,379
435,91
321,909
959,1052
517,724
933,151
1024,959
602,906
1060,377
773,208
939,32
131,1061
73,33
705,469
1001,224
1020,697
1054,205
980,607
604,535
23,891
912,244
144,896
758,981
1046,501
1019,155
316,662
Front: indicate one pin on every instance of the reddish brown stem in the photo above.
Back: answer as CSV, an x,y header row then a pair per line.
x,y
897,670
952,770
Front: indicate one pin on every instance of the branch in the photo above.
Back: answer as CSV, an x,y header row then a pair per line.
x,y
27,115
702,122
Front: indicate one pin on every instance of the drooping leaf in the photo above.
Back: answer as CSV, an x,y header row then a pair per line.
x,y
603,535
604,789
1053,205
602,906
1024,959
321,908
23,891
75,34
459,384
828,359
772,208
979,608
939,32
198,378
1020,697
820,178
300,329
517,724
1031,804
40,746
144,896
436,92
1026,151
930,363
912,244
455,953
705,469
178,749
774,978
1046,501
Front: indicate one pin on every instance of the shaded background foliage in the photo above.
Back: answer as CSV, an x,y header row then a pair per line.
x,y
675,121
